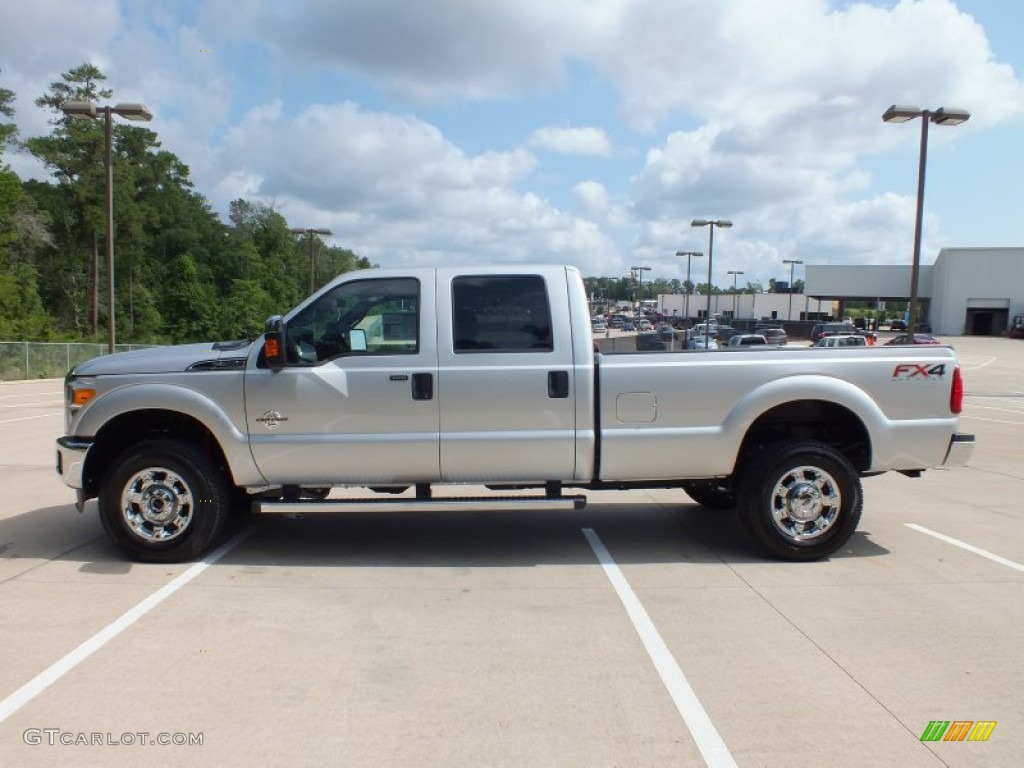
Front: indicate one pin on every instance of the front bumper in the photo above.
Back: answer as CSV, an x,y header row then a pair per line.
x,y
960,448
71,453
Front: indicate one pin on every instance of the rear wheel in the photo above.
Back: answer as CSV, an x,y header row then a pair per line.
x,y
800,500
710,494
164,501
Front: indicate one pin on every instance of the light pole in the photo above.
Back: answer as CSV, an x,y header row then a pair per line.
x,y
87,110
941,116
735,273
686,300
721,224
640,274
309,232
792,265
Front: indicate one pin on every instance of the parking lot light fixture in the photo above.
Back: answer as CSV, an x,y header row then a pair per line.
x,y
792,265
87,110
640,274
735,273
686,299
901,113
710,224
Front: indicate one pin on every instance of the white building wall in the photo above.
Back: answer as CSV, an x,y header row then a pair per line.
x,y
869,281
975,278
749,306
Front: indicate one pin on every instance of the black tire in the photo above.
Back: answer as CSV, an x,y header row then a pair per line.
x,y
800,500
164,501
710,494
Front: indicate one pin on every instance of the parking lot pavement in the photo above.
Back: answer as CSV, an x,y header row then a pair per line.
x,y
502,639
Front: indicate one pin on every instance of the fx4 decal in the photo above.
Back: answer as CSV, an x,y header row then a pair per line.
x,y
918,370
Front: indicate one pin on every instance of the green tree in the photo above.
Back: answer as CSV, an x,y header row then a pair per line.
x,y
23,233
8,131
73,151
191,293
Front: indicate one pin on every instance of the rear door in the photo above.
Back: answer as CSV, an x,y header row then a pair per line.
x,y
506,387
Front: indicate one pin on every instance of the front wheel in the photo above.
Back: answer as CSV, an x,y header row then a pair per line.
x,y
800,500
164,501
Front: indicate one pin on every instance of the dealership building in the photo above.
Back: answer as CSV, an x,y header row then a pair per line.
x,y
967,291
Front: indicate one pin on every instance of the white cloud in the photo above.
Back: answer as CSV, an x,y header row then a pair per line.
x,y
393,186
571,141
399,124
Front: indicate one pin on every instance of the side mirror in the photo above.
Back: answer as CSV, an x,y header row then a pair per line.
x,y
357,340
273,343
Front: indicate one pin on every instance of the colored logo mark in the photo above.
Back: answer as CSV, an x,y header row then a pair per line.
x,y
958,730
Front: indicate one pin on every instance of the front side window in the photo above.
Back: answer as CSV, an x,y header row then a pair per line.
x,y
501,313
364,317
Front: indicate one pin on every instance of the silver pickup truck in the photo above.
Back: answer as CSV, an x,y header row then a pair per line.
x,y
404,380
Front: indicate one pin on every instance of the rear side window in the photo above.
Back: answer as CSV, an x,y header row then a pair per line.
x,y
501,313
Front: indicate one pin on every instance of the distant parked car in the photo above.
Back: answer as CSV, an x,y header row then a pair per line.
x,y
913,338
747,340
842,340
821,330
697,342
667,333
775,336
598,325
649,342
897,325
627,325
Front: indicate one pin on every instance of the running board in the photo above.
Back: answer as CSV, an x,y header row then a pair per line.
x,y
436,504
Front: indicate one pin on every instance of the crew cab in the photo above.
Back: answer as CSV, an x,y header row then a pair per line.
x,y
412,379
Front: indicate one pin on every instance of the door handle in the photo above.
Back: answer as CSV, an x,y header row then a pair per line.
x,y
558,384
422,386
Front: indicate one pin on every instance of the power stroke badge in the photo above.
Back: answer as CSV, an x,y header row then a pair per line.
x,y
271,420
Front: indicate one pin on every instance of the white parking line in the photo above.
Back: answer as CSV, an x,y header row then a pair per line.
x,y
709,742
976,367
996,421
968,547
26,418
56,671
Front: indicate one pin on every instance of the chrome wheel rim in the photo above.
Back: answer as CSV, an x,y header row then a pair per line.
x,y
157,504
806,502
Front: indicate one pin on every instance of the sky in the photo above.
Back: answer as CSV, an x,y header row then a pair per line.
x,y
583,132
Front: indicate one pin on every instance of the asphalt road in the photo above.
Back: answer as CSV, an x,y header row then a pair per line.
x,y
642,631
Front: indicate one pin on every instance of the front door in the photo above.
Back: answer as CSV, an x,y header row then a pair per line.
x,y
357,401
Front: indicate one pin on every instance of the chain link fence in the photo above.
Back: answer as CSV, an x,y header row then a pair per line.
x,y
45,360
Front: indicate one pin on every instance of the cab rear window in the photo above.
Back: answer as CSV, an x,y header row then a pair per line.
x,y
501,313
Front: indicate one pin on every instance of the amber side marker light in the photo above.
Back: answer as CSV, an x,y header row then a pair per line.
x,y
82,396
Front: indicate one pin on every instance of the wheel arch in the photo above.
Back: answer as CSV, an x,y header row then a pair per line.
x,y
133,427
822,421
147,411
808,407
